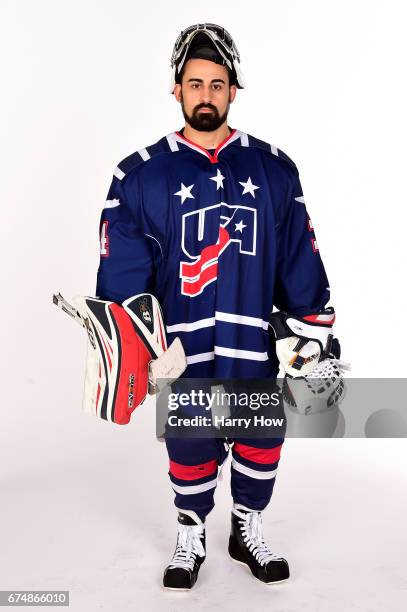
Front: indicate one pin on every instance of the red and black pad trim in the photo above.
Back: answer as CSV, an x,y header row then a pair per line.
x,y
321,318
314,326
134,358
146,314
99,310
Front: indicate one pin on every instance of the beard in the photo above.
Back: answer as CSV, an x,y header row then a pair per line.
x,y
205,122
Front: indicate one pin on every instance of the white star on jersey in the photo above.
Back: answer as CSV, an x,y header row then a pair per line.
x,y
219,178
239,227
249,187
184,192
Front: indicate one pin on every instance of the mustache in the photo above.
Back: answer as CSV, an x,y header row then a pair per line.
x,y
210,106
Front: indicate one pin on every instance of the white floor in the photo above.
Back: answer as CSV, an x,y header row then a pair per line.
x,y
89,509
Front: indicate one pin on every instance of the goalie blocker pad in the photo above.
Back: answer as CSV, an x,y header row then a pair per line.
x,y
122,341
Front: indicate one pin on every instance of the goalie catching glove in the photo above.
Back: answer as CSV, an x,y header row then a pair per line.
x,y
127,353
308,351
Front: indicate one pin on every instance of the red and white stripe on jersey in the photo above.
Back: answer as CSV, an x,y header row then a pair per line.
x,y
255,457
193,472
258,455
194,489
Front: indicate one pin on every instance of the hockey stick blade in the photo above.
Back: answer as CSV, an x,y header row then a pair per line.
x,y
70,310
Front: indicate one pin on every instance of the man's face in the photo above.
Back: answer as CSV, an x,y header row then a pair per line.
x,y
204,94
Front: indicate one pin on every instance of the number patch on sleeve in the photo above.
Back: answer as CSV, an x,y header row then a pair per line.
x,y
313,239
104,240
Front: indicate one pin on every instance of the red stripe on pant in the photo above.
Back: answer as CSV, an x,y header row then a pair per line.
x,y
258,455
193,472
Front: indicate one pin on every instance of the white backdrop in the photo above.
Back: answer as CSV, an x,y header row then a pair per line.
x,y
84,84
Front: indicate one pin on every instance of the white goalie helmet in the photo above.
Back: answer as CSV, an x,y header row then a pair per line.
x,y
225,50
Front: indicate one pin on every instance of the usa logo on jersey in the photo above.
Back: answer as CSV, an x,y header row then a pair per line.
x,y
206,234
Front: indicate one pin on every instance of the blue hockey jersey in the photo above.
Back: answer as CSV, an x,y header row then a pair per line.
x,y
218,238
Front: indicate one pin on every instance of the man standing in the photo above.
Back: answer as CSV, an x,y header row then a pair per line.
x,y
212,221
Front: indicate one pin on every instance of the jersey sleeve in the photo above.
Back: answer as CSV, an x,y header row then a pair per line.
x,y
301,282
127,259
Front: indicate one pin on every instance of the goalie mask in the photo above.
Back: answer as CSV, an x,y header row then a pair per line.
x,y
206,41
124,342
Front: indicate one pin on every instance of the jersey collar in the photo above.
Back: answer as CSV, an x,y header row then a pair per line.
x,y
176,137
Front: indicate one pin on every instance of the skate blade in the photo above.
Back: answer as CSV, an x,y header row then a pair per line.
x,y
253,576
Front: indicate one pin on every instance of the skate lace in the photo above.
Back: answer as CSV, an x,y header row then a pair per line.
x,y
251,527
189,545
